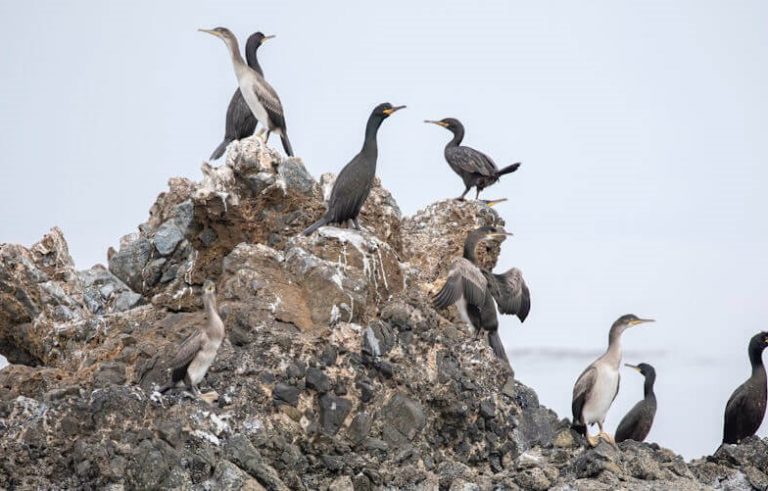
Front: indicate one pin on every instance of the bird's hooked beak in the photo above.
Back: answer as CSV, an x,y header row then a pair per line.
x,y
499,235
491,202
640,321
393,109
211,32
439,123
634,367
267,37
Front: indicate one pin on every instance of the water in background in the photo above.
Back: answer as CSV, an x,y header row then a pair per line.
x,y
691,392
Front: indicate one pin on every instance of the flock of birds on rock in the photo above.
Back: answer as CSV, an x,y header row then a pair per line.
x,y
477,293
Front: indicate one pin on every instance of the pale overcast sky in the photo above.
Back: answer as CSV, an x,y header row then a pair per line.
x,y
641,127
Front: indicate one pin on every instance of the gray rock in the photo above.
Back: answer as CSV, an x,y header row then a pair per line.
x,y
333,412
360,427
404,419
167,237
287,394
110,373
317,380
240,451
295,175
128,263
127,300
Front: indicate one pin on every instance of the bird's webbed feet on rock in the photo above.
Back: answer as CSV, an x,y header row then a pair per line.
x,y
593,441
260,135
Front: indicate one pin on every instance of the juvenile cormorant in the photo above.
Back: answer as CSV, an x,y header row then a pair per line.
x,y
258,94
240,122
196,353
746,408
474,167
597,386
355,180
636,424
477,292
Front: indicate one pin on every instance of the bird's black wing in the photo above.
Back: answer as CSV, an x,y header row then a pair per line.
x,y
471,161
241,123
636,424
464,280
351,189
581,392
743,413
510,292
184,355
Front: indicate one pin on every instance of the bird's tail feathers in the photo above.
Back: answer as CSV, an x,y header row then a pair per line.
x,y
508,169
286,144
323,221
498,348
220,149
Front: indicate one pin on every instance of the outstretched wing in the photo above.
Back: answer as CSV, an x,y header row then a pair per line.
x,y
581,391
470,160
510,292
465,280
185,354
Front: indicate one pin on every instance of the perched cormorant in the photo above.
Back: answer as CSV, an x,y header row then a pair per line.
x,y
197,352
240,122
355,180
258,94
475,168
473,290
746,408
597,386
636,424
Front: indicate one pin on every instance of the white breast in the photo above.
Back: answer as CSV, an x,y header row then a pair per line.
x,y
203,361
246,84
601,396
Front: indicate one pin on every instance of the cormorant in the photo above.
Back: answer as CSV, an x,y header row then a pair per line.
x,y
597,386
355,180
196,353
636,424
746,408
475,168
240,122
473,290
258,94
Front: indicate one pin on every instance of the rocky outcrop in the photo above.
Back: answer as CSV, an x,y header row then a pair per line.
x,y
336,372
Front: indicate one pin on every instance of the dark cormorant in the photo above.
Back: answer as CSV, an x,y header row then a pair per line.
x,y
475,168
477,292
636,424
355,180
196,353
260,97
597,386
240,122
746,408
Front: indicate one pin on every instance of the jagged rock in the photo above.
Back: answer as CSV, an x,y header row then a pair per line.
x,y
336,372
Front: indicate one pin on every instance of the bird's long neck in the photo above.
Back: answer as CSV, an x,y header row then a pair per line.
x,y
470,247
370,146
613,354
756,360
648,387
252,58
234,52
458,136
215,327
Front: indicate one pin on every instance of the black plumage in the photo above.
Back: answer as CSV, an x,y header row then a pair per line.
x,y
355,180
637,423
475,168
477,292
240,122
746,408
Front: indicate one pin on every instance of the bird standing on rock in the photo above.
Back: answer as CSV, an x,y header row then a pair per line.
x,y
477,292
354,183
474,167
597,386
636,424
240,122
260,97
745,410
196,353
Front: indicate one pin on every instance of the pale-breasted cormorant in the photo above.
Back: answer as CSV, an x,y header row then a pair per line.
x,y
477,292
474,167
746,408
240,122
196,353
258,94
355,180
636,424
597,386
